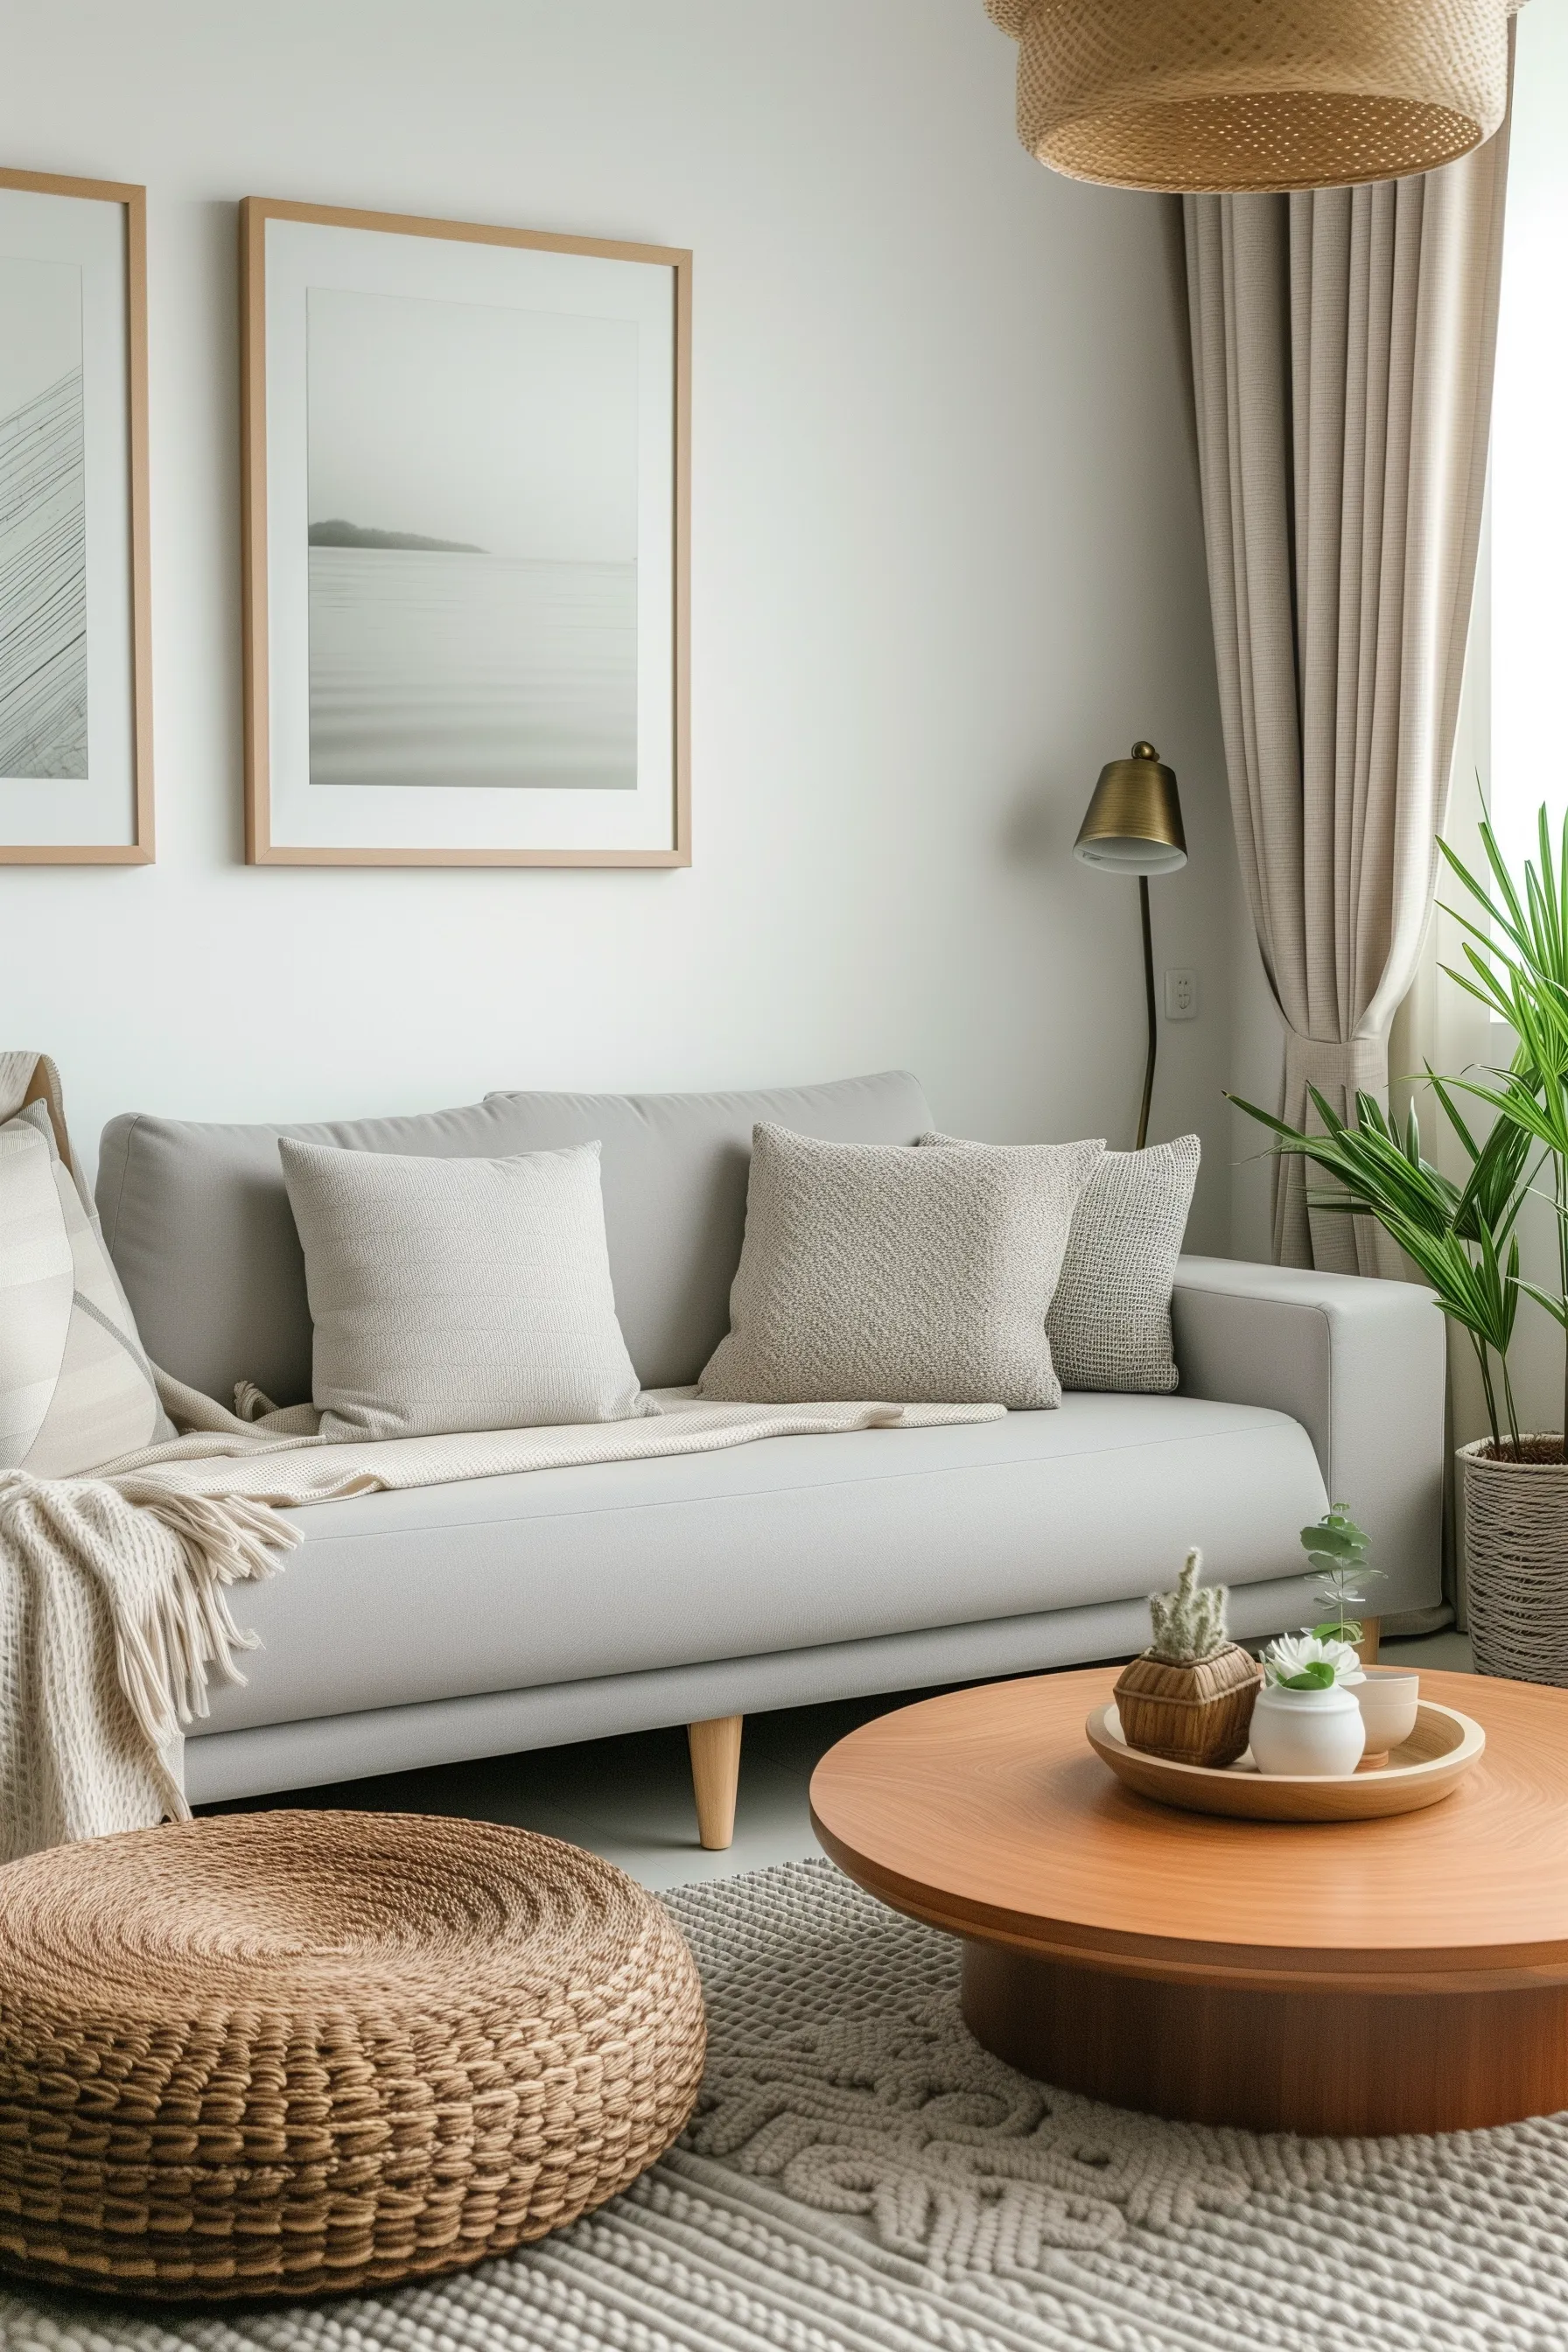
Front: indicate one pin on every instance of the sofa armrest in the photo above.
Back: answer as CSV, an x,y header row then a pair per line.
x,y
1361,1365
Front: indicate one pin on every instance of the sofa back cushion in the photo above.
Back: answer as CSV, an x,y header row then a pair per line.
x,y
198,1223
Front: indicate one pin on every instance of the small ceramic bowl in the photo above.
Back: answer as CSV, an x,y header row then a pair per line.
x,y
1387,1696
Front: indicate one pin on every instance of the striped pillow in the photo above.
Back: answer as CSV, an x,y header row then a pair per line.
x,y
75,1387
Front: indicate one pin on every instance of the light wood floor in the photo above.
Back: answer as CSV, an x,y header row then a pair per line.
x,y
631,1799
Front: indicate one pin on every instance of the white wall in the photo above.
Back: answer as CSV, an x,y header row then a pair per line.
x,y
946,561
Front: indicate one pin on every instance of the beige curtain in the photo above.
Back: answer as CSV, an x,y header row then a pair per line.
x,y
1342,347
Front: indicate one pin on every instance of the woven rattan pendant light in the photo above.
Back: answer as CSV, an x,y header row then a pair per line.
x,y
1231,95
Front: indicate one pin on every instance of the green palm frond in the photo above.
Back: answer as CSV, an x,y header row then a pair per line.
x,y
1463,1238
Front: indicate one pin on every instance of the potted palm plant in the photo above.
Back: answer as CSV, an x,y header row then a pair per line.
x,y
1463,1238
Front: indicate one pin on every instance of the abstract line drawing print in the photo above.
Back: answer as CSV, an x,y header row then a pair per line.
x,y
43,523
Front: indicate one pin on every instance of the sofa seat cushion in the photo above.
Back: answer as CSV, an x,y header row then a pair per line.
x,y
561,1575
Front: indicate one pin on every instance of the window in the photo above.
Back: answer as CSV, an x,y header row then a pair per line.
x,y
1528,619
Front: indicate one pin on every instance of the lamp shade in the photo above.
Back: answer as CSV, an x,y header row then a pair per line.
x,y
1133,823
1225,96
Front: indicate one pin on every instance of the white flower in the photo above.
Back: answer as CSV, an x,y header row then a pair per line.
x,y
1294,1652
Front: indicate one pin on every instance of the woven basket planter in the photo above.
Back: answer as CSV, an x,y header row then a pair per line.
x,y
1200,1714
1516,1549
291,2053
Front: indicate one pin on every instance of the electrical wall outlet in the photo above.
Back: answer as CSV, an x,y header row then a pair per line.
x,y
1180,996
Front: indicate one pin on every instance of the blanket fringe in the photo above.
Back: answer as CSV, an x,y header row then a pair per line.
x,y
135,1573
164,1654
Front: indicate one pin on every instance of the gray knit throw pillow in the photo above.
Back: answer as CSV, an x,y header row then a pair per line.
x,y
873,1271
1110,1319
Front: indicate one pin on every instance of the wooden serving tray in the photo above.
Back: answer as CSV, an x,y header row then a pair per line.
x,y
1424,1770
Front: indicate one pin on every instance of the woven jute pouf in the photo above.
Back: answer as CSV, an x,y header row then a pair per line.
x,y
295,2052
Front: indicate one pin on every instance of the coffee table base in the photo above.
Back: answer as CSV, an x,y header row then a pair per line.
x,y
1336,2061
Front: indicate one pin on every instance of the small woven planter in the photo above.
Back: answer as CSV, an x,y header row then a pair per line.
x,y
1199,1713
291,2053
1516,1551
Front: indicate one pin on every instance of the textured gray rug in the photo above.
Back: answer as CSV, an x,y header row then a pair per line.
x,y
861,2175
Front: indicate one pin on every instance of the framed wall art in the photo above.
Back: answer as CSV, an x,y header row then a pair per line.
x,y
465,501
75,706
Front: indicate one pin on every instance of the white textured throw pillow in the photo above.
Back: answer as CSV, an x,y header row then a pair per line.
x,y
457,1294
1110,1320
870,1271
76,1390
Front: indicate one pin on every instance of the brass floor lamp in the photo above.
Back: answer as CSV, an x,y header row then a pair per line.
x,y
1134,826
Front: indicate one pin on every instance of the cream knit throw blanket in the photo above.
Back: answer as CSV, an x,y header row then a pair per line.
x,y
114,1608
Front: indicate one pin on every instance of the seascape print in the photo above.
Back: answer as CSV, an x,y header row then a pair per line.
x,y
473,532
43,523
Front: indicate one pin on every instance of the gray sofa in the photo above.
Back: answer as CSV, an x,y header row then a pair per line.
x,y
488,1617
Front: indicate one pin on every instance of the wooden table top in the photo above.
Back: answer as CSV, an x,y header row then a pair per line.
x,y
987,1812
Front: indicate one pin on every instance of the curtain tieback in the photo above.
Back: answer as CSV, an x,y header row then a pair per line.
x,y
1339,1067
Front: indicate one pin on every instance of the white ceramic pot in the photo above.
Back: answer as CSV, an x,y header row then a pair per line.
x,y
1387,1697
1315,1732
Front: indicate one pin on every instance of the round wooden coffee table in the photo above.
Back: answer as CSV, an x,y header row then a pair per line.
x,y
1362,1977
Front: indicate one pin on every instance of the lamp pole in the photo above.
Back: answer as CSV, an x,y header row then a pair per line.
x,y
1134,826
1153,1018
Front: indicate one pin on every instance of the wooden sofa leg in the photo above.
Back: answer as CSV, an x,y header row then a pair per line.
x,y
1371,1633
715,1776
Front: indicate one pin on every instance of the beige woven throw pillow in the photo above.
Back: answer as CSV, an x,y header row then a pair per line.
x,y
875,1271
76,1389
457,1294
1110,1318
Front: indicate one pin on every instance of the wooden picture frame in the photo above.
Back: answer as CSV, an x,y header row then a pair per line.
x,y
109,753
303,768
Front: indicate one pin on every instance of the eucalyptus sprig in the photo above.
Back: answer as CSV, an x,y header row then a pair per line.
x,y
1337,1549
